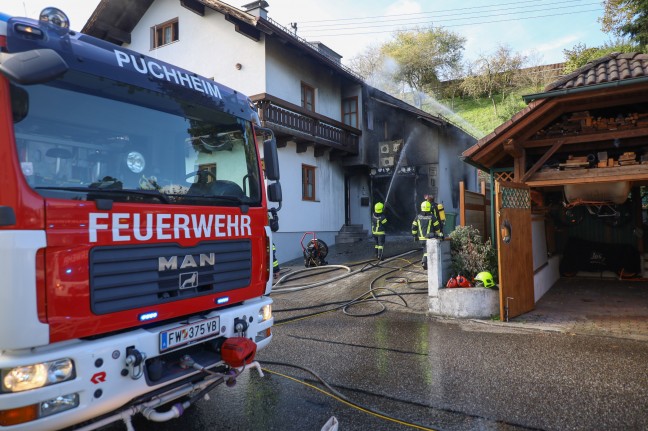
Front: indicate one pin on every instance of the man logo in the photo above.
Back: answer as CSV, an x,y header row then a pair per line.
x,y
188,261
188,280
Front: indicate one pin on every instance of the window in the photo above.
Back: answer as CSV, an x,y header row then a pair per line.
x,y
145,141
350,111
308,183
308,97
165,33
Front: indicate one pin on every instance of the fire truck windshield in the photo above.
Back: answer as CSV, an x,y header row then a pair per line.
x,y
85,137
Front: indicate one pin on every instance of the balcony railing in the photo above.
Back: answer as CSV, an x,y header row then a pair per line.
x,y
287,119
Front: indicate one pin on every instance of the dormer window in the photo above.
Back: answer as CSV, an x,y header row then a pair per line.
x,y
164,34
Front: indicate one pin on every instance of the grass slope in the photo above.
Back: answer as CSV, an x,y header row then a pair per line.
x,y
477,116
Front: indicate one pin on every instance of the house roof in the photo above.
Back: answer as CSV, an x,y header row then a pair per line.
x,y
114,20
613,67
612,80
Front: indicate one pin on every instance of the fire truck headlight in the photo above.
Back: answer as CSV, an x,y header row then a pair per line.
x,y
265,313
59,404
34,376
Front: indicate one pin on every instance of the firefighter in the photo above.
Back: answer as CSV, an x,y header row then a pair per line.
x,y
378,221
426,226
275,263
438,210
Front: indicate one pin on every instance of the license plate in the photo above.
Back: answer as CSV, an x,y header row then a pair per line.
x,y
182,335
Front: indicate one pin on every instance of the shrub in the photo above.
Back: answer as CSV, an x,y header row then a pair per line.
x,y
469,253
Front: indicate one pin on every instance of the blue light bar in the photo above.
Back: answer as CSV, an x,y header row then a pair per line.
x,y
223,300
148,316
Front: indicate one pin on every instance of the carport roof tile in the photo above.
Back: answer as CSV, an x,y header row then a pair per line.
x,y
613,67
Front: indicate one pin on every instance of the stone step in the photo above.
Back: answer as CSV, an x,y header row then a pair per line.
x,y
351,228
358,234
346,239
350,233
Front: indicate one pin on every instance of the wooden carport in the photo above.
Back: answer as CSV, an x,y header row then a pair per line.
x,y
600,109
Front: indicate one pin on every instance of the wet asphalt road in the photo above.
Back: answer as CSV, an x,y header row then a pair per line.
x,y
440,374
419,372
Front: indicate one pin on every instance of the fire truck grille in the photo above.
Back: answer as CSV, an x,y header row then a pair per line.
x,y
123,278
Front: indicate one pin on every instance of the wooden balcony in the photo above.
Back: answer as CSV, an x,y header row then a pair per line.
x,y
294,123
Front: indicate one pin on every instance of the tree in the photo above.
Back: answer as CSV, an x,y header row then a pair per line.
x,y
580,54
627,18
494,74
451,88
376,69
368,63
424,57
537,74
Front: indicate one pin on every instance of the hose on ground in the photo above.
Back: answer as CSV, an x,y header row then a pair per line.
x,y
372,295
341,397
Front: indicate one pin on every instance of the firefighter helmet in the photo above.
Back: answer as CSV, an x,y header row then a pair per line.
x,y
378,208
484,279
426,206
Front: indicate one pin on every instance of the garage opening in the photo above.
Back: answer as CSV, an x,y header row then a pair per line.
x,y
581,150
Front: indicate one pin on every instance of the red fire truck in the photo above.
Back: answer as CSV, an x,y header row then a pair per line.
x,y
134,241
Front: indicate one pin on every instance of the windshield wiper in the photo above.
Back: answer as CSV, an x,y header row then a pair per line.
x,y
149,193
227,198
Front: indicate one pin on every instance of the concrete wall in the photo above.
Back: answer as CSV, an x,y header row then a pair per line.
x,y
545,269
324,216
474,302
287,68
546,277
539,241
207,45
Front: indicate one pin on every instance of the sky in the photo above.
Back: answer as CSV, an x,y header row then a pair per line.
x,y
538,28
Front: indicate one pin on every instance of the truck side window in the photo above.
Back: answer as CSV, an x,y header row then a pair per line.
x,y
19,103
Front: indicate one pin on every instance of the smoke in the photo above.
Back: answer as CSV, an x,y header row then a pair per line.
x,y
433,106
380,72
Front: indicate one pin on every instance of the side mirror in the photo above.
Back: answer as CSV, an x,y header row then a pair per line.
x,y
270,156
274,192
33,67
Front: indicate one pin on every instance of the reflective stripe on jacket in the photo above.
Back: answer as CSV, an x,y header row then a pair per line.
x,y
275,262
424,224
378,224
